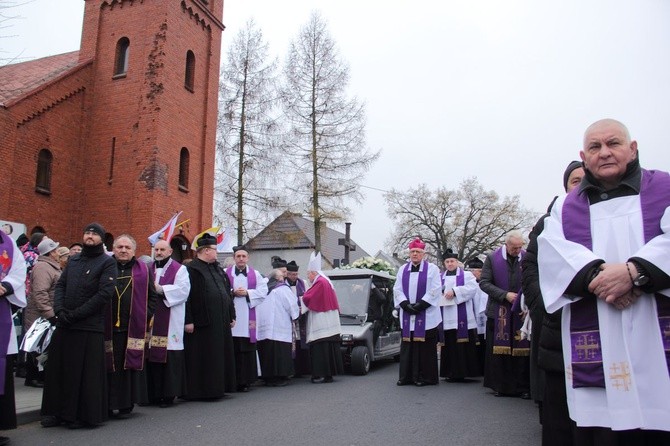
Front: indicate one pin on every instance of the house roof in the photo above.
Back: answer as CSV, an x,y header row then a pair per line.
x,y
18,80
292,231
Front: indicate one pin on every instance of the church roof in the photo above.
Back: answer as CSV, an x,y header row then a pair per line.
x,y
292,231
20,79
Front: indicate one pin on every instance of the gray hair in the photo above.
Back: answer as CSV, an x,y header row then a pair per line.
x,y
514,234
129,237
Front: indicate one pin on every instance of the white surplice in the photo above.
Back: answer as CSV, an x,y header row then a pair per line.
x,y
256,297
432,296
274,317
464,293
175,296
637,393
17,278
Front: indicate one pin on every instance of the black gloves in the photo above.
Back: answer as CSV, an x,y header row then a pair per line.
x,y
420,306
409,308
63,319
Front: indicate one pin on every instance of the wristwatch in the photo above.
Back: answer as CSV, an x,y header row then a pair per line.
x,y
642,278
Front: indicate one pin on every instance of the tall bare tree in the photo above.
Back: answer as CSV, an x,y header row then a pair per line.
x,y
247,132
327,129
471,221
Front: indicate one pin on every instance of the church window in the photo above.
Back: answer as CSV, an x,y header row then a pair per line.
x,y
183,169
190,71
43,180
122,53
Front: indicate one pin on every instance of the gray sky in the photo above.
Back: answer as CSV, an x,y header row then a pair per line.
x,y
500,90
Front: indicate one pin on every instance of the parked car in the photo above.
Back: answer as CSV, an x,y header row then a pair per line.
x,y
369,331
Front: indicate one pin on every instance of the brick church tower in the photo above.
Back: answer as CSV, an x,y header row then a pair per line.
x,y
128,121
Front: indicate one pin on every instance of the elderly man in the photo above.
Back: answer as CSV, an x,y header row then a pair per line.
x,y
417,292
126,327
249,289
166,367
43,278
323,324
75,378
603,258
210,315
275,318
12,292
458,358
507,365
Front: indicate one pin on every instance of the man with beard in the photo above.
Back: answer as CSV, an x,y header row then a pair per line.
x,y
167,370
249,289
12,292
210,316
126,327
75,378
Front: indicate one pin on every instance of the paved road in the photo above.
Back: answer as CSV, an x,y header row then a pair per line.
x,y
353,411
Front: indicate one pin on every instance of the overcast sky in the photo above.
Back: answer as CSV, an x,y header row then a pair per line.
x,y
500,90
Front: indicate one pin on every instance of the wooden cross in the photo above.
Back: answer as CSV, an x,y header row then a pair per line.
x,y
348,244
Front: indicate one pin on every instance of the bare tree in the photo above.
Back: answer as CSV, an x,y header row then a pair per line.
x,y
471,221
326,139
247,132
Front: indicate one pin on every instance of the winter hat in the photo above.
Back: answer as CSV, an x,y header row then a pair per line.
x,y
46,246
95,227
568,170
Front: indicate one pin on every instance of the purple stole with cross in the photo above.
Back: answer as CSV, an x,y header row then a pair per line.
x,y
420,319
507,323
7,252
251,285
137,323
585,343
159,333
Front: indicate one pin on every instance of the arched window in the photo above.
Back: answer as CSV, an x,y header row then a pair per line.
x,y
190,71
43,180
122,53
183,169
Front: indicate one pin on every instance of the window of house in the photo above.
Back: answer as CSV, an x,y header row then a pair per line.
x,y
190,71
122,53
43,180
183,169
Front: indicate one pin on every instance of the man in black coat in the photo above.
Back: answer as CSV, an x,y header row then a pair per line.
x,y
75,385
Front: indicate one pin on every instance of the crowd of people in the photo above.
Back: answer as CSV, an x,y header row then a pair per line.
x,y
579,321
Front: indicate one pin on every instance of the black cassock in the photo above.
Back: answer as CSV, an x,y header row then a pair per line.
x,y
210,362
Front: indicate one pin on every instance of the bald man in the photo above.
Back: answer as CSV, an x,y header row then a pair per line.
x,y
166,366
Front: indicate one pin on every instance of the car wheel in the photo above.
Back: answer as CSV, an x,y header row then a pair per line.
x,y
360,360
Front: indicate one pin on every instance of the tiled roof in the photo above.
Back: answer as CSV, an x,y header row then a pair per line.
x,y
19,79
292,231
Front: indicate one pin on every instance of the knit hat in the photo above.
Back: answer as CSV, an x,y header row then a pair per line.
x,y
62,251
95,227
46,246
568,170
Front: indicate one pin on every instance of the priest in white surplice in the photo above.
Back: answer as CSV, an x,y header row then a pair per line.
x,y
604,257
166,365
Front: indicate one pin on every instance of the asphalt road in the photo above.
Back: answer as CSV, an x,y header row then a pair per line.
x,y
353,411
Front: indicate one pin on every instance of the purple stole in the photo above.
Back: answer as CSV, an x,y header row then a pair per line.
x,y
507,324
6,248
159,334
462,321
585,344
137,324
420,319
251,285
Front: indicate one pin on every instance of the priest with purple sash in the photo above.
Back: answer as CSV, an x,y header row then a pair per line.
x,y
458,357
417,291
603,258
507,367
300,347
75,377
126,328
249,289
12,292
166,366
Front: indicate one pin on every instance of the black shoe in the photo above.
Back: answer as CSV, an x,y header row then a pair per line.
x,y
525,396
402,383
420,383
124,413
328,379
50,421
4,441
34,383
243,388
318,379
76,425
